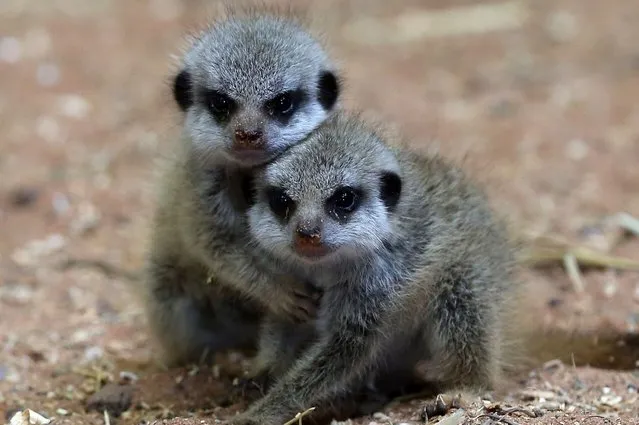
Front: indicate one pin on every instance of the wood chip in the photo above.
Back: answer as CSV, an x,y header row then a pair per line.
x,y
28,417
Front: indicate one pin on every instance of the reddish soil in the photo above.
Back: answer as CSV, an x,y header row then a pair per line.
x,y
545,113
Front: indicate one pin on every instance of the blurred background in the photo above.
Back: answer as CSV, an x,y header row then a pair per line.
x,y
538,98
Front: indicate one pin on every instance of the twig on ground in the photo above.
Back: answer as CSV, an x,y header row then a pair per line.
x,y
496,418
574,274
298,417
527,412
104,267
627,222
544,251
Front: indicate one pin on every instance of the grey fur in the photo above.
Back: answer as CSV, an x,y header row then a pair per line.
x,y
252,59
425,281
199,231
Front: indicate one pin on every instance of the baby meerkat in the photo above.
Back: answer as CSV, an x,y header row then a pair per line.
x,y
418,275
413,264
251,86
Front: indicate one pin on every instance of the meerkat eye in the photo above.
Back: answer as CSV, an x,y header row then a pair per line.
x,y
220,105
284,104
343,202
280,203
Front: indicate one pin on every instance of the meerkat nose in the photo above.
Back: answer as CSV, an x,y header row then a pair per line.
x,y
248,139
308,235
308,241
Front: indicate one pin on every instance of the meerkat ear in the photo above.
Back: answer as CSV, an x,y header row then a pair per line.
x,y
328,89
182,90
390,189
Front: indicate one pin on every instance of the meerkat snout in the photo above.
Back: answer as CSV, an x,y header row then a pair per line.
x,y
307,240
248,140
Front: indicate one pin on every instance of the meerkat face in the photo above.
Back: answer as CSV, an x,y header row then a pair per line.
x,y
251,88
328,199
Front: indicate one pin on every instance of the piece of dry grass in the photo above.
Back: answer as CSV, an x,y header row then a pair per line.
x,y
298,417
544,251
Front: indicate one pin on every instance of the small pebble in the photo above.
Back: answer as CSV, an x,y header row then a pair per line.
x,y
128,377
562,26
80,336
62,412
555,302
10,50
610,288
610,400
93,353
74,106
48,128
37,249
89,218
48,74
23,196
577,149
17,294
12,376
60,203
113,398
37,43
380,417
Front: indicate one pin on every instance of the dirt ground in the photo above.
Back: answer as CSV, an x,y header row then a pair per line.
x,y
540,102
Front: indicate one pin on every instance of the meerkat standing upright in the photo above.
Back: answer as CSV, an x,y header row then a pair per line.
x,y
251,86
413,263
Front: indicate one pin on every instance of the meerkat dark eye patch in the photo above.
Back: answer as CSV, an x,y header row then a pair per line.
x,y
328,90
220,105
280,203
182,90
343,202
390,189
284,105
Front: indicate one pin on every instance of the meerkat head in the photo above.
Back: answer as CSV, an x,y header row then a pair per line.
x,y
252,86
330,198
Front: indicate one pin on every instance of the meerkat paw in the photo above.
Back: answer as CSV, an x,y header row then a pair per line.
x,y
443,403
300,303
254,387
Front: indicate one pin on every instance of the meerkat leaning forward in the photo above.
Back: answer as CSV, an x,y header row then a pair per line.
x,y
418,275
251,86
412,261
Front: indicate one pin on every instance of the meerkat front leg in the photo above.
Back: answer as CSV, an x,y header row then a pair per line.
x,y
462,335
280,345
189,326
336,364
